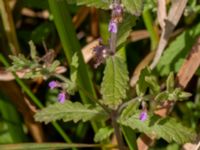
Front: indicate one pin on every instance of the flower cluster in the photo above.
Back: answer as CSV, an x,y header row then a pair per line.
x,y
116,17
62,96
100,53
143,115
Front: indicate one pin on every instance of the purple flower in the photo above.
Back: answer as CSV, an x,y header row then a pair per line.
x,y
61,97
112,27
53,84
118,9
143,116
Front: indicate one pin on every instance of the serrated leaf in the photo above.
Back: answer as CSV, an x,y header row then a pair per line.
x,y
103,4
103,134
184,95
20,62
32,75
69,111
125,28
173,56
166,128
133,6
170,82
115,82
153,84
142,85
130,109
163,96
53,66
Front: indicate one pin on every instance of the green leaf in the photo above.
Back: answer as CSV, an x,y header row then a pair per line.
x,y
115,81
103,4
173,56
20,62
133,6
175,95
74,68
163,96
170,82
184,95
125,28
103,134
51,146
166,128
69,111
42,32
53,66
142,85
153,84
11,127
130,109
130,137
32,50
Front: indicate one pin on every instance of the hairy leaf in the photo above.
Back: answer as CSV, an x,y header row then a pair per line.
x,y
142,85
153,84
115,81
74,68
176,95
20,62
53,66
133,6
103,134
69,111
166,128
174,55
170,82
125,28
103,4
163,96
32,50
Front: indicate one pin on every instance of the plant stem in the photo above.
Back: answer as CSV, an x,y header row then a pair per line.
x,y
113,36
154,37
113,39
117,130
9,27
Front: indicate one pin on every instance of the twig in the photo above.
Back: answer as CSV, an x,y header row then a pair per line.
x,y
198,146
172,20
117,130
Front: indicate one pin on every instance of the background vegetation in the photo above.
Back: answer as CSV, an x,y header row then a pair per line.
x,y
64,40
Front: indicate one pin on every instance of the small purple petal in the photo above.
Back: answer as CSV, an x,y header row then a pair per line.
x,y
118,9
112,27
53,84
61,97
143,116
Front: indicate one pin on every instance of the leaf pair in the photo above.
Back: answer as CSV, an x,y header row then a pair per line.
x,y
166,128
147,80
171,93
